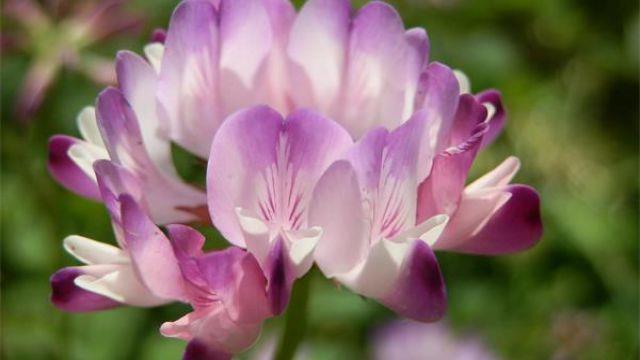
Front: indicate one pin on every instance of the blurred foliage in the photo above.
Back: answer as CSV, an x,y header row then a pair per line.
x,y
568,71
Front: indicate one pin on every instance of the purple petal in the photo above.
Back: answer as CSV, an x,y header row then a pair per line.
x,y
165,197
515,226
138,83
440,192
236,278
252,152
187,90
151,252
419,292
419,42
280,275
159,35
497,121
65,171
66,296
113,181
197,350
438,93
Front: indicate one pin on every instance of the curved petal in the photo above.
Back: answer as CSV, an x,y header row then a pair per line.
x,y
512,225
151,253
498,177
138,83
492,99
376,275
213,331
419,292
88,126
419,41
440,192
66,172
438,93
93,252
336,207
236,279
187,89
117,282
317,45
66,296
166,198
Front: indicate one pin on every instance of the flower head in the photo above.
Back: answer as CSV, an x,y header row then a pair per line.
x,y
330,138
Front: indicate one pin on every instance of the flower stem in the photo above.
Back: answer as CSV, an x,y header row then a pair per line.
x,y
296,320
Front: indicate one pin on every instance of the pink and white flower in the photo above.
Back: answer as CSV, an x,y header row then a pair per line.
x,y
329,138
260,176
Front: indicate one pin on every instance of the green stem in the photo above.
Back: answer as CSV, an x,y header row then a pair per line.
x,y
296,320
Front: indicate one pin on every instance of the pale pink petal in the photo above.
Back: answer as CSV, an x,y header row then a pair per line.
x,y
246,38
151,253
166,198
138,82
188,93
438,93
336,207
318,45
376,83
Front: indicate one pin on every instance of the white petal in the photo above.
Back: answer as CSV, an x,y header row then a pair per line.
x,y
256,233
428,231
303,242
376,275
94,252
121,285
154,52
463,82
500,176
88,126
85,154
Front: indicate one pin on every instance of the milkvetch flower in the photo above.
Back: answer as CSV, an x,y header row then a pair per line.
x,y
260,176
488,216
372,242
124,127
109,277
329,137
382,219
227,289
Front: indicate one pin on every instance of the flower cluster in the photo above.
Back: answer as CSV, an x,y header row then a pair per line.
x,y
330,139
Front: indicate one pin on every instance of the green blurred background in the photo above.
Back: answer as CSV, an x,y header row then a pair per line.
x,y
568,71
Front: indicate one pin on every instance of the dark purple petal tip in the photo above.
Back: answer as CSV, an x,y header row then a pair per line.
x,y
280,278
66,296
497,121
420,292
516,227
66,172
159,35
197,350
